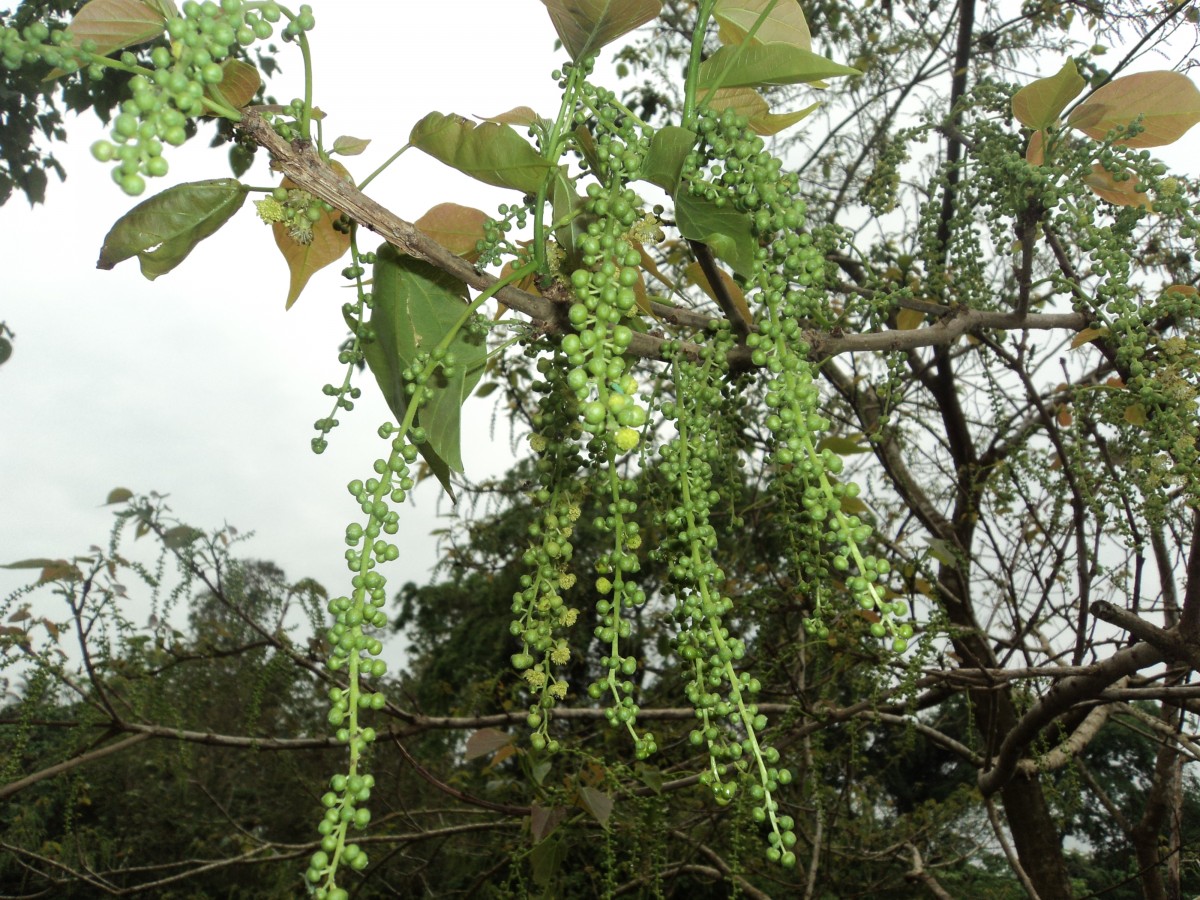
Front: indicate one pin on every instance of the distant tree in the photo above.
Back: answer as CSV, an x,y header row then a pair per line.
x,y
858,539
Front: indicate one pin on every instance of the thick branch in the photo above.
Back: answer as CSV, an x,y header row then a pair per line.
x,y
1170,642
13,787
1061,697
300,162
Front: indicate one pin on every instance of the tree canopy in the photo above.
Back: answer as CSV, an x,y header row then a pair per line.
x,y
855,551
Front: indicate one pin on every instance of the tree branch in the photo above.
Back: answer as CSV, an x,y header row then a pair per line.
x,y
1061,697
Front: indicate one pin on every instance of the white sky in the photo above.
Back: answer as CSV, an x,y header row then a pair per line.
x,y
200,385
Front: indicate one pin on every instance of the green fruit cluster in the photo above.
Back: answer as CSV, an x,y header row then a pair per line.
x,y
171,84
542,615
297,210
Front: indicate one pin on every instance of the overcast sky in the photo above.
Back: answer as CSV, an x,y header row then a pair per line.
x,y
200,385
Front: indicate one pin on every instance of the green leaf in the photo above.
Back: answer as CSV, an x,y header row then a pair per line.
x,y
163,230
114,25
1165,104
853,506
749,103
785,23
597,803
350,146
546,858
570,222
489,152
1038,104
584,26
585,142
415,307
759,65
842,446
118,495
241,158
5,350
943,552
664,161
723,228
651,777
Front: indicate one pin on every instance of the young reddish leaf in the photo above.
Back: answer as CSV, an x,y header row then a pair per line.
x,y
749,103
33,563
784,24
350,146
180,536
908,319
1185,290
1035,153
1118,193
163,230
327,246
760,65
1165,104
488,151
114,25
21,615
238,86
457,228
1064,417
542,821
695,274
1038,104
502,754
584,26
486,741
597,803
1087,336
60,570
518,115
118,495
649,265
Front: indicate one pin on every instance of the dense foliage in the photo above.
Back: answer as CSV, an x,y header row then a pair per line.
x,y
856,552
